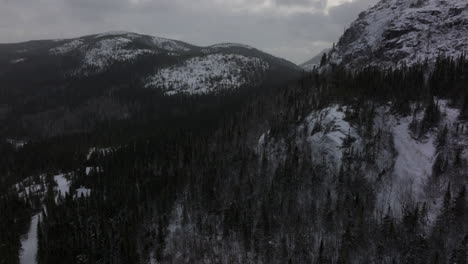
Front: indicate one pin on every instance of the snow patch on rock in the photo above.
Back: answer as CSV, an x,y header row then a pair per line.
x,y
326,132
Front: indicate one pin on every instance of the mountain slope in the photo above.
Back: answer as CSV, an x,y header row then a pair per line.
x,y
97,54
394,33
113,76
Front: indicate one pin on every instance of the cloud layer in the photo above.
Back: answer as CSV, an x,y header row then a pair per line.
x,y
292,29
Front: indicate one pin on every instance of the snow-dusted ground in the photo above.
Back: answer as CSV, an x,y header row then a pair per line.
x,y
402,165
414,161
209,73
29,243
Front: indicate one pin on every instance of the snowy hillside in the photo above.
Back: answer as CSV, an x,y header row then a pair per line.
x,y
109,51
174,66
401,32
210,73
101,51
403,164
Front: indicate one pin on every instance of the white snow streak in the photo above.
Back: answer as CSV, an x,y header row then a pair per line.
x,y
414,161
16,61
29,243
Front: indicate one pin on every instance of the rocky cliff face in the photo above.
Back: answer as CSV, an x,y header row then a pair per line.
x,y
404,32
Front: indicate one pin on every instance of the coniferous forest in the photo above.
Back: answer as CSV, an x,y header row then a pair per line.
x,y
234,178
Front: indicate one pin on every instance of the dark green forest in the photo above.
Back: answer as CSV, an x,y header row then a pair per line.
x,y
190,163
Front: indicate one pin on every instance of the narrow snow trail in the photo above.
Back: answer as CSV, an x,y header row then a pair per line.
x,y
29,243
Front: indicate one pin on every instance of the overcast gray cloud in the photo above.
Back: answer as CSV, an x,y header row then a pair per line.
x,y
292,29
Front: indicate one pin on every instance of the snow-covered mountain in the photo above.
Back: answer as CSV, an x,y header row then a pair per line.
x,y
174,66
92,73
394,33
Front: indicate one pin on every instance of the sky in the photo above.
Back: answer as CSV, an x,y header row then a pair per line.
x,y
292,29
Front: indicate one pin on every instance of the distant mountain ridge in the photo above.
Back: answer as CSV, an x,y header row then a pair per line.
x,y
51,87
225,66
